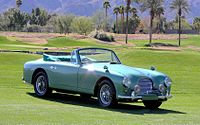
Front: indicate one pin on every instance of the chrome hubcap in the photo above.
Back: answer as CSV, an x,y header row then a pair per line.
x,y
105,94
41,85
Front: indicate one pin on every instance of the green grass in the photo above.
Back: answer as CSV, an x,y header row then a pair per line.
x,y
192,40
66,42
60,42
10,43
18,104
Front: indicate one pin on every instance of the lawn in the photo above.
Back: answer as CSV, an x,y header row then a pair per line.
x,y
192,40
18,104
11,43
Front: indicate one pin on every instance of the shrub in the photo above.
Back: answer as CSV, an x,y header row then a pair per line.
x,y
100,35
32,28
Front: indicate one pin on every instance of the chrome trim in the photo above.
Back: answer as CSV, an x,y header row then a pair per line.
x,y
140,97
25,82
165,97
145,85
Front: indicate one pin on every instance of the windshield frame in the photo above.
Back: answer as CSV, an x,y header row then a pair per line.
x,y
79,58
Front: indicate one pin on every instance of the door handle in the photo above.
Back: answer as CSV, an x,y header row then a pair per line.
x,y
52,67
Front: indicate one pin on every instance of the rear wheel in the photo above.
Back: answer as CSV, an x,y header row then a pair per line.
x,y
41,86
106,94
152,104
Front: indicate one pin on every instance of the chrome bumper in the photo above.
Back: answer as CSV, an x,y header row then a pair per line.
x,y
25,81
141,97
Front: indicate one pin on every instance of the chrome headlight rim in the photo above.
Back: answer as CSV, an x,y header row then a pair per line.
x,y
168,82
162,88
137,89
127,82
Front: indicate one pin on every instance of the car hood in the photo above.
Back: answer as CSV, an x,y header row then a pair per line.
x,y
130,71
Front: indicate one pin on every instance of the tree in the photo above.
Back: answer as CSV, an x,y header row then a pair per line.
x,y
15,20
159,12
18,3
152,6
82,25
43,18
196,24
134,22
133,11
174,24
181,6
39,17
98,19
64,23
106,5
128,3
4,22
116,12
121,11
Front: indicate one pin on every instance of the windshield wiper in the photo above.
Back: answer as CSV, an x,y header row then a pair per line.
x,y
114,63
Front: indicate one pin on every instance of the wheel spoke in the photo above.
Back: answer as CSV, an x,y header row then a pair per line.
x,y
105,94
41,85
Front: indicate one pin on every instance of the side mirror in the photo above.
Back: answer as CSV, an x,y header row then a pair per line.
x,y
153,68
106,68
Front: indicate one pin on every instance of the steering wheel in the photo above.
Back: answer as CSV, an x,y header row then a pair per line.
x,y
86,60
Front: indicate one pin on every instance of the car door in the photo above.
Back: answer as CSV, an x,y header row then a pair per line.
x,y
87,79
64,75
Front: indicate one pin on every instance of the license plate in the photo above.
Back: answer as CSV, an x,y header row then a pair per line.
x,y
150,97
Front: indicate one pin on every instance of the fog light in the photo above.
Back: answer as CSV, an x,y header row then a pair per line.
x,y
137,89
161,88
133,94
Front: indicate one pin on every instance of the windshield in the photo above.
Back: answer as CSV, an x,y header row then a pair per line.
x,y
98,56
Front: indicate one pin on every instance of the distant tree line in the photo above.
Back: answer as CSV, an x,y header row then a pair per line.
x,y
40,20
126,20
157,21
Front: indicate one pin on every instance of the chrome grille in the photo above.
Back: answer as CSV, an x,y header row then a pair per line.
x,y
145,86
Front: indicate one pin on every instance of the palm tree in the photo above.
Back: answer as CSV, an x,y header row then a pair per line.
x,y
133,11
116,12
152,6
121,11
181,6
106,5
18,3
128,3
160,11
196,24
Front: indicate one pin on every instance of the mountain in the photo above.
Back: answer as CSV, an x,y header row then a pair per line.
x,y
87,7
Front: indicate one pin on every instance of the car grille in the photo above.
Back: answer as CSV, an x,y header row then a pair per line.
x,y
145,86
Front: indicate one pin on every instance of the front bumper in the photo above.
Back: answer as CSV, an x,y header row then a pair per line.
x,y
145,97
25,81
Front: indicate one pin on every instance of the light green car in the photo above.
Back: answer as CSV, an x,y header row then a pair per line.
x,y
97,72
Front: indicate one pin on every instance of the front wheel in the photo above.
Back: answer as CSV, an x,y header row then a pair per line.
x,y
41,86
152,104
106,94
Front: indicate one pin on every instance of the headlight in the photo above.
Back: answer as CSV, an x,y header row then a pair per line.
x,y
127,82
137,89
168,81
162,88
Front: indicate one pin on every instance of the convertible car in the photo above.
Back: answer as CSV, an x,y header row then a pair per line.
x,y
97,72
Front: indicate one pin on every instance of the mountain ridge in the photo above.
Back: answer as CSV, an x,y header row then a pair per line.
x,y
88,7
